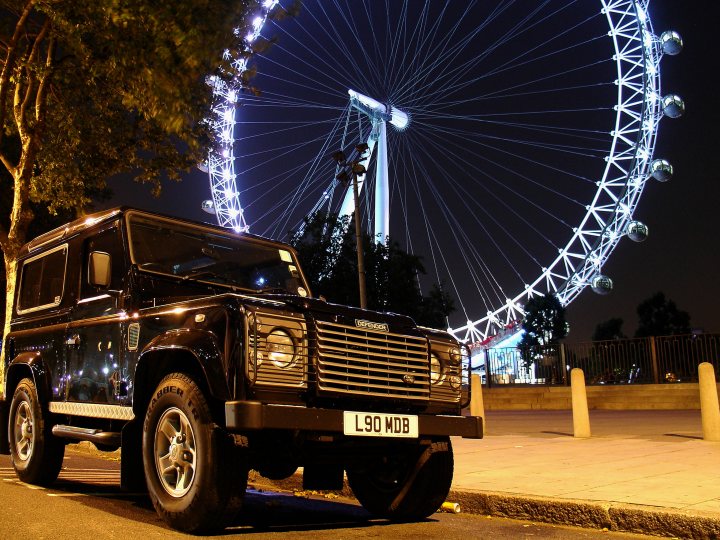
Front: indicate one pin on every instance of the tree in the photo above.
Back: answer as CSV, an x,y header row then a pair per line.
x,y
93,88
544,325
609,330
658,316
327,251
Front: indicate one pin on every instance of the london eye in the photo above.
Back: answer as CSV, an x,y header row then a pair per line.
x,y
509,146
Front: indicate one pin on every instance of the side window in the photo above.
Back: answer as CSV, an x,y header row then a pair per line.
x,y
42,281
109,242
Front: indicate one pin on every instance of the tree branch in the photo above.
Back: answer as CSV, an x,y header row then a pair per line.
x,y
41,98
8,165
9,64
17,105
30,93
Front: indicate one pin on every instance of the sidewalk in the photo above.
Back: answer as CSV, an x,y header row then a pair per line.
x,y
641,471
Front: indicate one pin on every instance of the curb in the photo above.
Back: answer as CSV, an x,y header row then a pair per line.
x,y
640,519
610,516
578,513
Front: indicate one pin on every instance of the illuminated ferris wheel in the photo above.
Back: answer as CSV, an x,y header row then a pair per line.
x,y
509,148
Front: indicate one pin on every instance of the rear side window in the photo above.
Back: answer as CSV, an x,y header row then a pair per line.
x,y
42,280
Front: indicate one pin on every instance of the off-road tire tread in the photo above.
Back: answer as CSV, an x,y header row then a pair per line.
x,y
48,451
225,479
427,492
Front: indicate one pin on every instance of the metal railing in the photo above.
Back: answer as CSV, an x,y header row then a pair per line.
x,y
653,360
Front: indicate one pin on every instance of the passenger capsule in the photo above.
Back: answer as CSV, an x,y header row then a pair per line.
x,y
602,284
637,231
208,206
671,42
661,170
673,106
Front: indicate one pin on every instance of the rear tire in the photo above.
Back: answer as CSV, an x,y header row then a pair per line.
x,y
35,453
405,485
196,477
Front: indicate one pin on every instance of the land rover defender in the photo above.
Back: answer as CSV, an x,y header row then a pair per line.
x,y
201,354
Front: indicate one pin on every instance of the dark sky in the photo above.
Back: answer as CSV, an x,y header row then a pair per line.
x,y
680,256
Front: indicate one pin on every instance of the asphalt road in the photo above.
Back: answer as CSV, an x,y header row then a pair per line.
x,y
86,502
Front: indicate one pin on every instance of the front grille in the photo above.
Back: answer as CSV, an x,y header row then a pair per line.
x,y
366,362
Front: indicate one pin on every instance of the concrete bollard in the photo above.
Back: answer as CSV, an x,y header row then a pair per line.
x,y
581,417
709,402
477,406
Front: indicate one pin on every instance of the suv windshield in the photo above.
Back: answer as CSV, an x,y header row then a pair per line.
x,y
196,253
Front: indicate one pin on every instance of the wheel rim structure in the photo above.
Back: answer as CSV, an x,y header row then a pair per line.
x,y
619,146
175,452
23,431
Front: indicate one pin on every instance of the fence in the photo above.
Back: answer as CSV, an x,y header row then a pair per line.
x,y
651,360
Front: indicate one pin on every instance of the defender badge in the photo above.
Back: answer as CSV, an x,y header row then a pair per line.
x,y
408,379
369,325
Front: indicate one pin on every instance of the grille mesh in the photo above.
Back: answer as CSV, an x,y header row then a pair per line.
x,y
366,362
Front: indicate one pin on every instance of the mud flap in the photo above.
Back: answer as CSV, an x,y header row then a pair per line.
x,y
132,474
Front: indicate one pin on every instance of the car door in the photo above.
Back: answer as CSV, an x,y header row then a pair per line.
x,y
97,370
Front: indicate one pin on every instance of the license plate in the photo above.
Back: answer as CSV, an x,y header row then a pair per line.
x,y
380,424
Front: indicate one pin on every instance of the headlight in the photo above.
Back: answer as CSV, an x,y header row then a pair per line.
x,y
455,355
280,348
437,373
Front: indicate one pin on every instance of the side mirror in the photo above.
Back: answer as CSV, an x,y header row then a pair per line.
x,y
99,267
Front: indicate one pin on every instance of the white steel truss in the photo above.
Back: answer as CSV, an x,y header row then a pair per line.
x,y
638,111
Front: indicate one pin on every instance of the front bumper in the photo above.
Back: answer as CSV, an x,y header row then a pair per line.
x,y
253,415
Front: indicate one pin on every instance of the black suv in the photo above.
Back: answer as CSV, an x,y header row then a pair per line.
x,y
202,354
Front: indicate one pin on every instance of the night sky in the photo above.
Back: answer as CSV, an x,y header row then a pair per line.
x,y
681,256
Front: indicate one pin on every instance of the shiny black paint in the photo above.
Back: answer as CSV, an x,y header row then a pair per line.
x,y
199,326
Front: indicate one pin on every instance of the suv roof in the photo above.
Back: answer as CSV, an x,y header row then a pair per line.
x,y
80,224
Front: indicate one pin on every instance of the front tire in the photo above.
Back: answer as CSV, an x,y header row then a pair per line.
x,y
35,453
195,476
405,484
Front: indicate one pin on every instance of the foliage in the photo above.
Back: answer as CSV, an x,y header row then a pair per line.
x,y
327,251
659,316
544,325
609,330
90,88
93,88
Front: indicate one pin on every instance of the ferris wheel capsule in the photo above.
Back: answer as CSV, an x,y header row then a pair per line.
x,y
602,285
208,206
673,106
637,231
671,42
661,170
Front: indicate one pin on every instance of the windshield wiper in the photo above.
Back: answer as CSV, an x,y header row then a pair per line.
x,y
201,273
272,290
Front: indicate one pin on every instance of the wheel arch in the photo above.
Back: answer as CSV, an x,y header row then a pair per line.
x,y
32,366
194,353
26,365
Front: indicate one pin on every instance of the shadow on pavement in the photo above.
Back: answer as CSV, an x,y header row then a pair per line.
x,y
263,511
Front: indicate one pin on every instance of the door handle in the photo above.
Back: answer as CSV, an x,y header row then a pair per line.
x,y
73,341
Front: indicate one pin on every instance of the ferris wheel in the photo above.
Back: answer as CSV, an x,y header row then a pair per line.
x,y
508,146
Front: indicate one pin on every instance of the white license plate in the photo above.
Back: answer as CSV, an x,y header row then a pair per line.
x,y
380,424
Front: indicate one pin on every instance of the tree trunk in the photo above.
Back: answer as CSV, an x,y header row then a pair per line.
x,y
10,271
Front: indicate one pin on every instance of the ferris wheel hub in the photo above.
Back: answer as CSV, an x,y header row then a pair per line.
x,y
376,110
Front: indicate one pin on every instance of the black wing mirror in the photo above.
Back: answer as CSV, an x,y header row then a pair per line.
x,y
99,268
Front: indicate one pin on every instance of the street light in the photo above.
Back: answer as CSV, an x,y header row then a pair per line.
x,y
351,170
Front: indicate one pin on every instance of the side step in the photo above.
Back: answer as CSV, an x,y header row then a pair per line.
x,y
96,436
